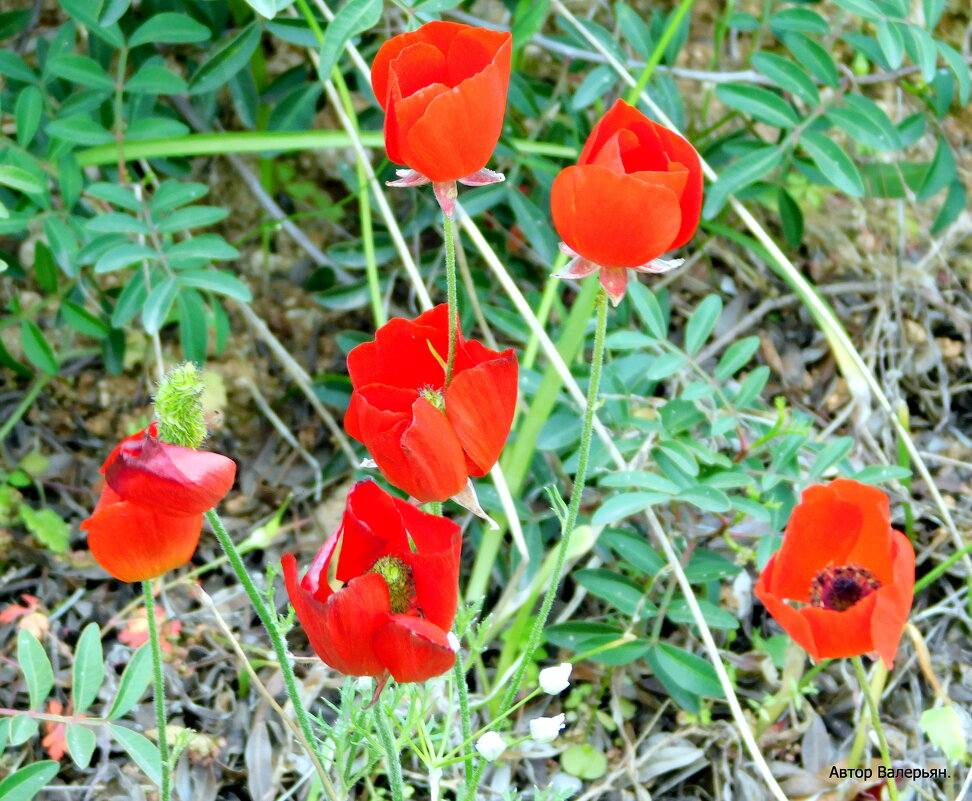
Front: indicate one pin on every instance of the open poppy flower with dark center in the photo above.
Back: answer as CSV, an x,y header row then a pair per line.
x,y
149,516
426,438
843,580
380,596
634,194
443,89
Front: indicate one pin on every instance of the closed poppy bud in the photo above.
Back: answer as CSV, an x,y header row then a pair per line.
x,y
149,516
398,574
634,194
443,89
843,580
425,437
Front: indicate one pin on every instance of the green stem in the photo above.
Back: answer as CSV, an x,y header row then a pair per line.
x,y
452,294
24,406
634,93
463,691
160,720
269,619
391,751
536,633
872,705
936,571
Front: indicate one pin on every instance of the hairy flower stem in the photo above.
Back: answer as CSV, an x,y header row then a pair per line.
x,y
536,633
391,751
153,626
269,619
871,696
465,718
452,294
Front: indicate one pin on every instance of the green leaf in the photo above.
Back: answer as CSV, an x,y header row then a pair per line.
x,y
664,366
705,565
866,121
626,505
123,256
112,11
192,217
228,60
787,75
13,66
117,222
941,172
172,194
114,194
129,303
193,332
86,12
45,270
169,28
944,729
211,247
633,549
265,8
649,310
584,761
156,80
958,65
353,17
27,114
595,84
863,8
891,41
735,358
26,783
155,128
140,749
89,668
701,323
80,130
834,163
921,47
47,527
158,303
709,499
881,473
802,20
954,203
831,453
715,616
82,70
134,682
221,282
641,479
752,167
81,743
616,589
37,349
22,728
36,668
812,56
762,104
694,673
21,179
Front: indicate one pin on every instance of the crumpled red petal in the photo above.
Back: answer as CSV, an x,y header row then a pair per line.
x,y
413,649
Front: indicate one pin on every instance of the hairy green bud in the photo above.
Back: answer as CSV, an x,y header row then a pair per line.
x,y
178,407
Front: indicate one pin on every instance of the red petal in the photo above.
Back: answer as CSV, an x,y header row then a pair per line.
x,y
435,563
681,151
341,631
479,403
613,220
840,634
169,478
135,543
894,600
420,455
792,621
438,34
371,528
413,649
455,134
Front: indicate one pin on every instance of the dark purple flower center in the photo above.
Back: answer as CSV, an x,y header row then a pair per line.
x,y
839,588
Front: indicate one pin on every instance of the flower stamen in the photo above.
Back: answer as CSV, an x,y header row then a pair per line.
x,y
398,577
839,588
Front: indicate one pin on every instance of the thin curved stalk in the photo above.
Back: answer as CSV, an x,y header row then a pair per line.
x,y
159,682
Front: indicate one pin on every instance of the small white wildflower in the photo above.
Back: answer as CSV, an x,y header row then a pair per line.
x,y
453,641
554,680
490,746
545,730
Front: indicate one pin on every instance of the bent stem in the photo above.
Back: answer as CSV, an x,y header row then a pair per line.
x,y
871,695
452,294
269,620
153,626
570,521
391,752
463,691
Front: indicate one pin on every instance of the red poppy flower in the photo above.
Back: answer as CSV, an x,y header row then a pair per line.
x,y
443,90
851,574
426,438
634,194
400,572
149,516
